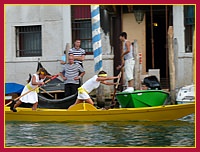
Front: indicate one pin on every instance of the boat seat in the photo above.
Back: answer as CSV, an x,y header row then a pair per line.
x,y
83,107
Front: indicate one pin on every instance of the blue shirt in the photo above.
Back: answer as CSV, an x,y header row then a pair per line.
x,y
63,58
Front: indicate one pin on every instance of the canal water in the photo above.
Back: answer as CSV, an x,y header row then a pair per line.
x,y
179,133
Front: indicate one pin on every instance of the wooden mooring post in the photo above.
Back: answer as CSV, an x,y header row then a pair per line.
x,y
137,72
172,73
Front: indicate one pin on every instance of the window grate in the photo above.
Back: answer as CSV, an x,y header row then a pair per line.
x,y
28,41
81,27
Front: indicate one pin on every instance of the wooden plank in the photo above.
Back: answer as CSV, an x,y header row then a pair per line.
x,y
54,91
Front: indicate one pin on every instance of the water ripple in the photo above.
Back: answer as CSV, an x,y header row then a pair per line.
x,y
116,134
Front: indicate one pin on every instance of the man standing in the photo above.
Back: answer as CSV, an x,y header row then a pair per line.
x,y
71,75
78,52
127,61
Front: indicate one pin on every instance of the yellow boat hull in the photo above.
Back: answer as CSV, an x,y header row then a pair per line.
x,y
85,113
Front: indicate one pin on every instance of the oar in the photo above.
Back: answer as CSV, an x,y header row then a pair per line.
x,y
113,97
34,88
8,103
46,92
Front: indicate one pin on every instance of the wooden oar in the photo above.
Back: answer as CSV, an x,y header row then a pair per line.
x,y
8,103
113,97
46,92
34,88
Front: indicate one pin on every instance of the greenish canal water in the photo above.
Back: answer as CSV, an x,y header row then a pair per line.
x,y
179,133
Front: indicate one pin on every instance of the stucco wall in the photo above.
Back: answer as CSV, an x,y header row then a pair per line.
x,y
51,19
137,32
183,61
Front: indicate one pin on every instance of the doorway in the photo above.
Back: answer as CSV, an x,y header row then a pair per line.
x,y
157,22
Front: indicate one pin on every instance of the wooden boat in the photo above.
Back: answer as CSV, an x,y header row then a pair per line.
x,y
142,98
85,112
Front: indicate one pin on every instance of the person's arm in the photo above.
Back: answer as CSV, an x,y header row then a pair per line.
x,y
49,76
62,62
108,83
80,76
36,83
63,77
107,78
81,71
79,58
120,66
128,45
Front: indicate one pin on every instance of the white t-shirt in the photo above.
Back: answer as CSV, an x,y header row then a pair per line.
x,y
91,84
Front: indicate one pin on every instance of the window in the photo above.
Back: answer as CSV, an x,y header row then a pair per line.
x,y
189,15
28,41
81,27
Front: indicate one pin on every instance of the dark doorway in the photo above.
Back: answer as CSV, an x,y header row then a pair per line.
x,y
160,53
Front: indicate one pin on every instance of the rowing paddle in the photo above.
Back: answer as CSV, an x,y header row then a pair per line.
x,y
46,92
55,76
113,97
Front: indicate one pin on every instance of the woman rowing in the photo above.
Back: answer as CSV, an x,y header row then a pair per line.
x,y
91,84
32,97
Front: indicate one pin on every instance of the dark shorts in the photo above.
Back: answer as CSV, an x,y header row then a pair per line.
x,y
71,89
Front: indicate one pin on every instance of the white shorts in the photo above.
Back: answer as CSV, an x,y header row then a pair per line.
x,y
83,96
129,67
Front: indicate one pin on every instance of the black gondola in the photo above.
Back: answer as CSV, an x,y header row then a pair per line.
x,y
56,103
61,102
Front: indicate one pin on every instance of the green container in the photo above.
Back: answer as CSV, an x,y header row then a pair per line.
x,y
142,98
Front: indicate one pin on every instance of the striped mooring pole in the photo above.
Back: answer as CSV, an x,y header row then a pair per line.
x,y
96,38
97,48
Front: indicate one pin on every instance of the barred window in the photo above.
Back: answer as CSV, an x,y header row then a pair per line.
x,y
81,27
189,14
28,41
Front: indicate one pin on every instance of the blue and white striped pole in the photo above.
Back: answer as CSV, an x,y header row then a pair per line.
x,y
96,38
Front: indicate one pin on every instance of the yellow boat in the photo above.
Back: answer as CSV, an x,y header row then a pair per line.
x,y
85,112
